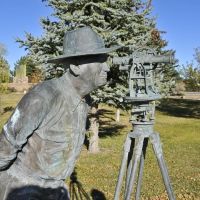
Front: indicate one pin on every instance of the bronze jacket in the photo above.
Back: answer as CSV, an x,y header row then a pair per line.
x,y
42,139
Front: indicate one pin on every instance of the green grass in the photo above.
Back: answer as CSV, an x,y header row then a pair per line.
x,y
179,128
7,104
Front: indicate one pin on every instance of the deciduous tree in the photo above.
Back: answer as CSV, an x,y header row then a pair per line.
x,y
191,74
4,70
3,49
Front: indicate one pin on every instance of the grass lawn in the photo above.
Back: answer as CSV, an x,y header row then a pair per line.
x,y
7,104
178,123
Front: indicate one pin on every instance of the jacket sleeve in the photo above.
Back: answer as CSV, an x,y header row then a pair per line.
x,y
26,118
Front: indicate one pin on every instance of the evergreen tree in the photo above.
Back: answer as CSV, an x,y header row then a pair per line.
x,y
123,22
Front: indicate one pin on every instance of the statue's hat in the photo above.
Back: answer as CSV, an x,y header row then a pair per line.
x,y
81,42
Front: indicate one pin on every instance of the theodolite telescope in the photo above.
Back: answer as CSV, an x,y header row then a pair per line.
x,y
134,58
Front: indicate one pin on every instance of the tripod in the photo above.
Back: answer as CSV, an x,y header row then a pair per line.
x,y
142,66
136,144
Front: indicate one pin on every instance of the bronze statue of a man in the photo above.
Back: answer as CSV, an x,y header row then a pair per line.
x,y
42,139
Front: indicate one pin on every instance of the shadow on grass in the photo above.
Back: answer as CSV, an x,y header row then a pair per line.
x,y
108,126
180,107
106,114
97,195
77,191
6,109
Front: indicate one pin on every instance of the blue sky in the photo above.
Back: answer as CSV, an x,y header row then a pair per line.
x,y
18,17
180,19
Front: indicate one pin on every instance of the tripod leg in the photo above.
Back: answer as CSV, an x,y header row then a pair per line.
x,y
136,159
155,140
129,164
123,167
139,183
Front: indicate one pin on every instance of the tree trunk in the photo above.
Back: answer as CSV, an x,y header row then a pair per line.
x,y
117,119
94,130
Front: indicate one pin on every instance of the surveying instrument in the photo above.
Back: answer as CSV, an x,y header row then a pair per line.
x,y
141,66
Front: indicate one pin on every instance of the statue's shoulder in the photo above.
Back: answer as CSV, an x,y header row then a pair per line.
x,y
45,90
44,85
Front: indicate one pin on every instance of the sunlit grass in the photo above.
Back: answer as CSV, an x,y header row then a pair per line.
x,y
7,104
180,139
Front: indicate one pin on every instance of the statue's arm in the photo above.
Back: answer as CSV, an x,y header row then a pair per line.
x,y
26,118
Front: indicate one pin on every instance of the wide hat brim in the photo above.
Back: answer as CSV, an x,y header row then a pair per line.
x,y
60,59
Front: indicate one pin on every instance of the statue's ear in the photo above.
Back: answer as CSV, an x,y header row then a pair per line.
x,y
75,69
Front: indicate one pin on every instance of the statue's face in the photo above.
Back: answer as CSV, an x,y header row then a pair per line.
x,y
93,71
